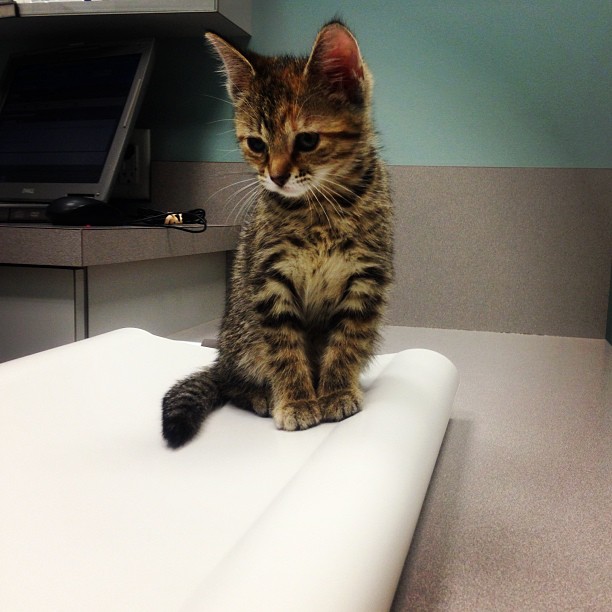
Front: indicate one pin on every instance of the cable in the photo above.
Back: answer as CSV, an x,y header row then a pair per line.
x,y
154,218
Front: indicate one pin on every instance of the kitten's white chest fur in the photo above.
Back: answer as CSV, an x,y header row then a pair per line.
x,y
319,277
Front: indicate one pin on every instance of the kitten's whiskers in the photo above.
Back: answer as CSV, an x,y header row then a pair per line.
x,y
212,195
249,194
314,192
219,121
328,195
215,97
334,186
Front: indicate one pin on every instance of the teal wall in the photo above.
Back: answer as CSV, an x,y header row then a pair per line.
x,y
458,82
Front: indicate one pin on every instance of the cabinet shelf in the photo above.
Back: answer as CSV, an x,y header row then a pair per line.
x,y
97,19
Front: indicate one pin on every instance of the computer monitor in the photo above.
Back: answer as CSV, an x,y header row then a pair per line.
x,y
65,117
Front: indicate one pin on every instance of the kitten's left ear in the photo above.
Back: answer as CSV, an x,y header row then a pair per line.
x,y
335,57
238,69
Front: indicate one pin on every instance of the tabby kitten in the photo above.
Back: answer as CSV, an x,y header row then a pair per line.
x,y
314,260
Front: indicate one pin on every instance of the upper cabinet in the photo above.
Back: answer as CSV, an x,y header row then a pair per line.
x,y
103,19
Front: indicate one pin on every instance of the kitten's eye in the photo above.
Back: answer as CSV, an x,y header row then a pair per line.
x,y
306,141
257,145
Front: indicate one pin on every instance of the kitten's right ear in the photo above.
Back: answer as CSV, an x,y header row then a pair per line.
x,y
238,69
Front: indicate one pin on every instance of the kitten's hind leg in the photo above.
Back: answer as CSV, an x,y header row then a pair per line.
x,y
291,415
187,404
255,398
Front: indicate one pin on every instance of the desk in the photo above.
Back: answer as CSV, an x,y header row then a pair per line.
x,y
61,284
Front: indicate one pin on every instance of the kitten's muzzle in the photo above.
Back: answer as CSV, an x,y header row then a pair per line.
x,y
280,179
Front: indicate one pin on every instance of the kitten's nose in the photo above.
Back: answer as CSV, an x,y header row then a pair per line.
x,y
280,179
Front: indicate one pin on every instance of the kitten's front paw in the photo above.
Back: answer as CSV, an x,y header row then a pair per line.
x,y
340,404
300,414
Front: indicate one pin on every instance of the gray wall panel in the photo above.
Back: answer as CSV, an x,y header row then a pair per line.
x,y
522,250
525,250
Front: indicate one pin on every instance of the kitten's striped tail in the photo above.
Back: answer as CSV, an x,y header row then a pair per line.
x,y
187,404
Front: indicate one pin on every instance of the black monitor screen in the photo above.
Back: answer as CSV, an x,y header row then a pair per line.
x,y
59,118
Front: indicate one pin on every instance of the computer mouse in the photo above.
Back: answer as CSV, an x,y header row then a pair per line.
x,y
83,210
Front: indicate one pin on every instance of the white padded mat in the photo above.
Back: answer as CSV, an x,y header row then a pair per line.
x,y
97,514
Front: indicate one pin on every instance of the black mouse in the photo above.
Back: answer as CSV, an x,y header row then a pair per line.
x,y
83,210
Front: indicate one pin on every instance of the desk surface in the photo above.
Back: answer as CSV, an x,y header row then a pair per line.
x,y
78,247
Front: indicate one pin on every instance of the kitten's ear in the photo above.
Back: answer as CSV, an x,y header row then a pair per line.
x,y
335,57
238,69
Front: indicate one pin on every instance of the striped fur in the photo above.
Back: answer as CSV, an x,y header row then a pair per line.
x,y
314,260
